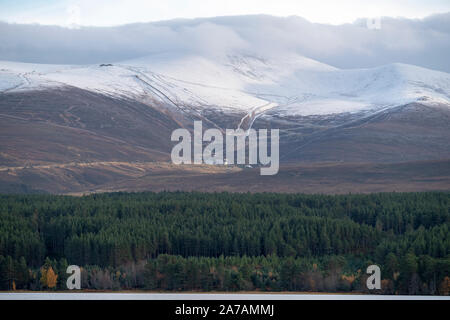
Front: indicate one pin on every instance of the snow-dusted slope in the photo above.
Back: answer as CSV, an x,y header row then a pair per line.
x,y
313,93
287,85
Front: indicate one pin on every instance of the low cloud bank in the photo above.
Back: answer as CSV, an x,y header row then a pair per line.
x,y
424,42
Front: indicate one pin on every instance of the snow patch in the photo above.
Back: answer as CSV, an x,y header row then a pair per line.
x,y
288,85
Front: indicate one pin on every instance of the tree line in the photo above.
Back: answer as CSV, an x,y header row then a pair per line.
x,y
227,241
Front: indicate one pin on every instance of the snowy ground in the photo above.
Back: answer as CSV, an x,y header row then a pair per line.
x,y
289,85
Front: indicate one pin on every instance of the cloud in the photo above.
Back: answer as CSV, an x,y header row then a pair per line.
x,y
423,42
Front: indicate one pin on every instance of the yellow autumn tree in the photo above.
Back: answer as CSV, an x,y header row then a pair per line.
x,y
49,278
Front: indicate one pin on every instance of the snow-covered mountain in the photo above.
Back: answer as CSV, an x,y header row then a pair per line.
x,y
241,82
102,118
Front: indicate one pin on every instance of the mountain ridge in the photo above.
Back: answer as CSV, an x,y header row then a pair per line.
x,y
292,85
107,126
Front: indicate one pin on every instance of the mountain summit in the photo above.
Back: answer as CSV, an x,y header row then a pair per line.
x,y
107,125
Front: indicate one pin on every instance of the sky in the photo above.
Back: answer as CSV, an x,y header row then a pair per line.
x,y
72,13
89,32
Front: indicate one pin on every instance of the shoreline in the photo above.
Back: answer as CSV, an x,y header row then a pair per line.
x,y
121,295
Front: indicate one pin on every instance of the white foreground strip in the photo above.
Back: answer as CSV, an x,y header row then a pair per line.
x,y
203,296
